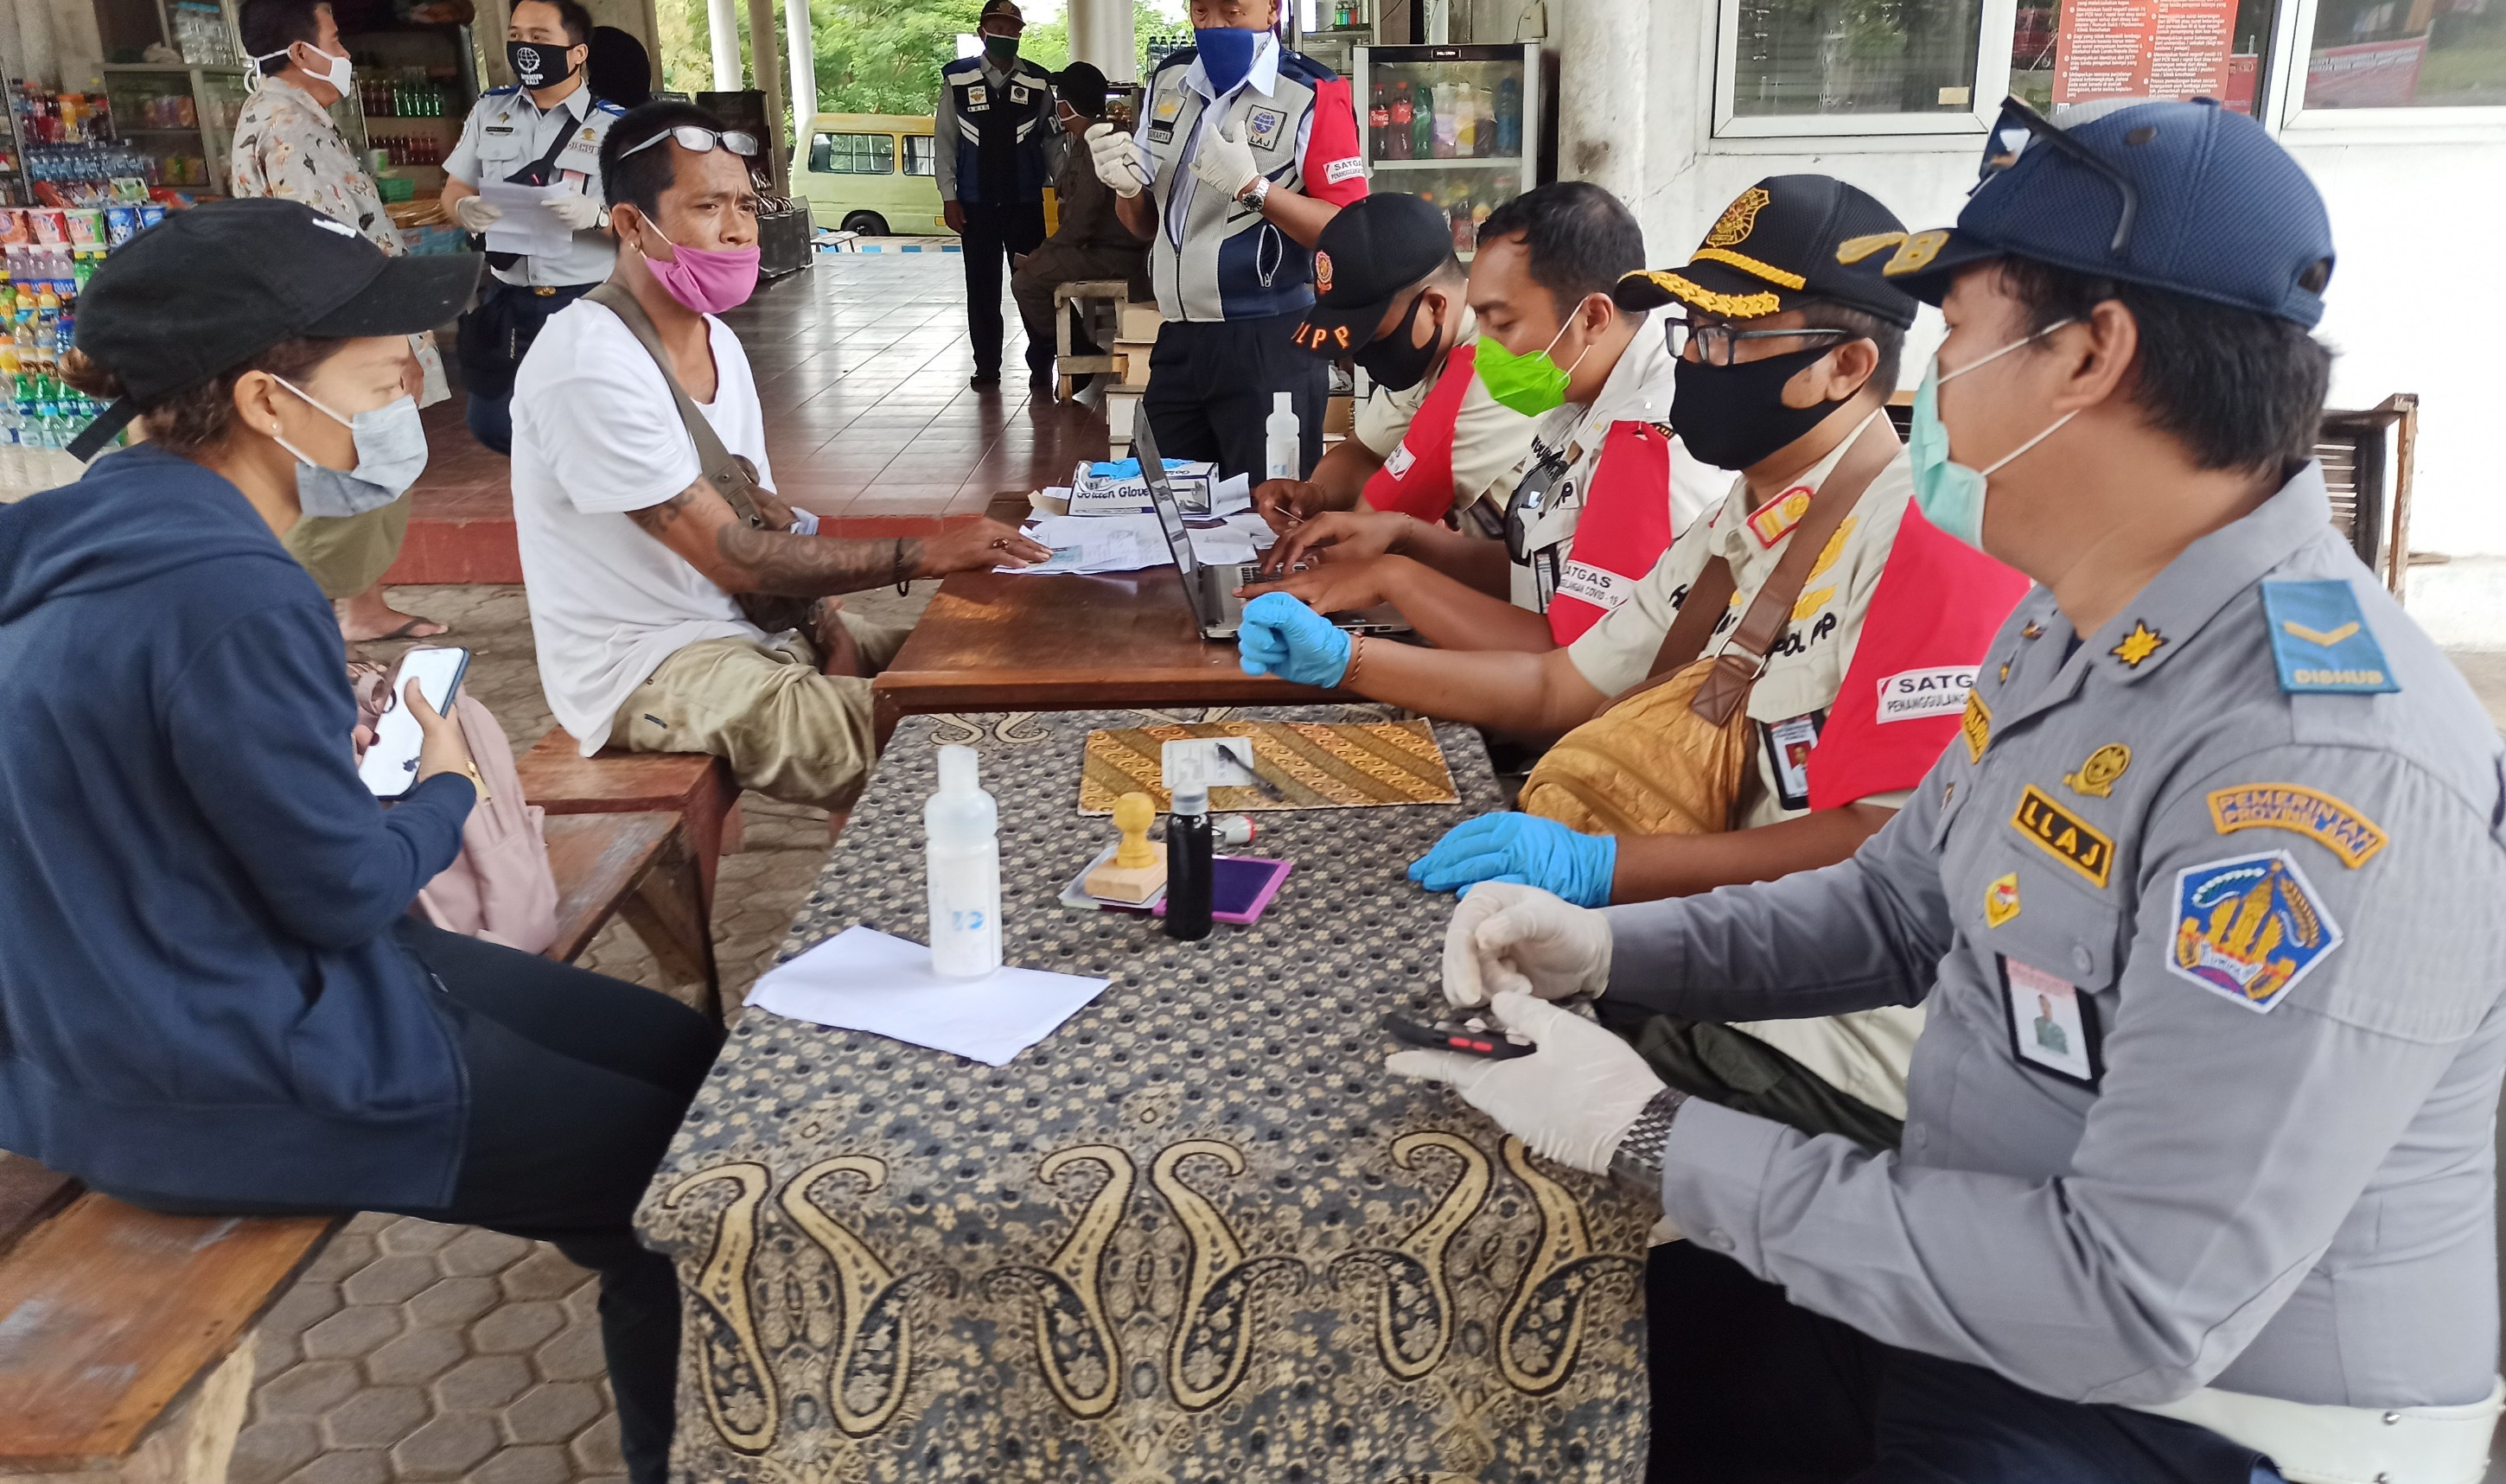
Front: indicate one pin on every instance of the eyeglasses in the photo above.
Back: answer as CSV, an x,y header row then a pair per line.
x,y
1531,500
1719,344
700,141
2018,124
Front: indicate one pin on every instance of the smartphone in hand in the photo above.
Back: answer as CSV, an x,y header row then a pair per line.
x,y
390,765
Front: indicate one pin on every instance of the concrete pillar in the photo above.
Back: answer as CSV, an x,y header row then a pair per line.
x,y
805,69
722,23
1602,92
1101,36
769,82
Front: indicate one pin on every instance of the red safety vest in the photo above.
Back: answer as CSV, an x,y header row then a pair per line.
x,y
1931,618
1418,479
1624,530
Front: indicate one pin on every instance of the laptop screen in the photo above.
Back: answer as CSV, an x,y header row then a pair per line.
x,y
1162,496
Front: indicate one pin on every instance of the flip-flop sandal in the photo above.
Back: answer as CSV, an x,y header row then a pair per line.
x,y
406,631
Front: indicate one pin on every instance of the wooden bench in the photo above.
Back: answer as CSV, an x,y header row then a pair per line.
x,y
637,866
121,1330
697,788
1101,301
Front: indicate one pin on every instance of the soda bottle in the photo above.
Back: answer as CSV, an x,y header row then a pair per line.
x,y
1466,121
1509,118
1422,124
1396,144
1445,120
1379,120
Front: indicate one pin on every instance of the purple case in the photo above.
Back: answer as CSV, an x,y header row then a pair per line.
x,y
1240,887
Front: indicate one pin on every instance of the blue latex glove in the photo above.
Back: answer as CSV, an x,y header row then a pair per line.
x,y
1283,637
1525,849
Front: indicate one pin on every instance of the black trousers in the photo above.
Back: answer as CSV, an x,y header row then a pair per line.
x,y
577,1082
489,344
1210,384
1749,1389
993,234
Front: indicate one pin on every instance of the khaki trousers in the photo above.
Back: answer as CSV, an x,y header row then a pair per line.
x,y
348,554
787,731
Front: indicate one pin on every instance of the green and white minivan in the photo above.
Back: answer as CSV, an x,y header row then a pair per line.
x,y
874,174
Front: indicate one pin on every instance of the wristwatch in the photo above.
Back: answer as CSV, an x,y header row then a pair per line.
x,y
1637,1163
1254,194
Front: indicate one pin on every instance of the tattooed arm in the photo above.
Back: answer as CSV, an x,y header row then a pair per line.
x,y
700,526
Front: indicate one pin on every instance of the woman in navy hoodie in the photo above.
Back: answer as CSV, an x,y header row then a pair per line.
x,y
212,998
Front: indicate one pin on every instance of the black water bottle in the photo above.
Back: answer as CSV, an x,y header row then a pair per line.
x,y
1187,865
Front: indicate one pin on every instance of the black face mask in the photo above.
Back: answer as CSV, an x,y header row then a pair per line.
x,y
537,64
1731,417
1392,361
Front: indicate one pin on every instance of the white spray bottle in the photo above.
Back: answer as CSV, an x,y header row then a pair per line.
x,y
962,861
1283,447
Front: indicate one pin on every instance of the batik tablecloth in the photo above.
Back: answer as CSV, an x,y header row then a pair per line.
x,y
1197,1234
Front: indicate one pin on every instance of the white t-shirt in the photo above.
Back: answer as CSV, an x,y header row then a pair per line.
x,y
594,436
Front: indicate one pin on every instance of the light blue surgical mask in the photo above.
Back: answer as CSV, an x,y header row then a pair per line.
x,y
391,454
1949,493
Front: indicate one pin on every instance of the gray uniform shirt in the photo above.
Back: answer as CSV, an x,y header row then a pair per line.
x,y
507,131
2213,970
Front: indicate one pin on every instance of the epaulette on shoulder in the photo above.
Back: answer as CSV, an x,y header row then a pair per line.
x,y
1304,69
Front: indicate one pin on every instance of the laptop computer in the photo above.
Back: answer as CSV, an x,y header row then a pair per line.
x,y
1209,588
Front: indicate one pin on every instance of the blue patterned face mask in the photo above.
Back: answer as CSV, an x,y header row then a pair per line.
x,y
1949,493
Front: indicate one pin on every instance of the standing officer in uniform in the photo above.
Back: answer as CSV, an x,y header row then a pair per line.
x,y
1245,150
2218,804
545,132
998,147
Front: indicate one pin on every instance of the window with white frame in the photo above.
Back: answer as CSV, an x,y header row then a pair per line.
x,y
2406,53
1855,56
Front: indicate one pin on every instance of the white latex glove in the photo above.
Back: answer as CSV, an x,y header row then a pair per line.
x,y
476,213
1116,158
578,211
1224,161
1572,1100
1506,938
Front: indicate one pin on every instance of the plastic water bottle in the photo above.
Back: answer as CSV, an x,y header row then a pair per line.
x,y
1282,441
961,855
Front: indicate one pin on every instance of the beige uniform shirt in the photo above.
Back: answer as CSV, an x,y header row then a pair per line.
x,y
286,147
1489,438
1863,1053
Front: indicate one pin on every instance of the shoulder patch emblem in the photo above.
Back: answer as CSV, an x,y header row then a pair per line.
x,y
2002,900
2319,816
2320,643
1770,521
2065,835
1739,218
2248,928
1975,727
2096,776
2138,645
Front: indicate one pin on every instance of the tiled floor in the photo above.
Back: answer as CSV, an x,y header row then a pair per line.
x,y
861,365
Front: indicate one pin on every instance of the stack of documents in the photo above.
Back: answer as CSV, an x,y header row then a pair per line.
x,y
1088,544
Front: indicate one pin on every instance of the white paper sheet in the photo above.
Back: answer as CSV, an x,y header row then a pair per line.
x,y
866,980
1201,761
1084,544
527,226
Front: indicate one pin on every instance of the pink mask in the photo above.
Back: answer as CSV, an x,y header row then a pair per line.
x,y
706,279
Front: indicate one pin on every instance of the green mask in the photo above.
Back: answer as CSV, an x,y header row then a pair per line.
x,y
1531,384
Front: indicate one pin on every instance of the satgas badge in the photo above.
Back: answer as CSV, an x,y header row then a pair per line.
x,y
2320,643
2248,928
1911,696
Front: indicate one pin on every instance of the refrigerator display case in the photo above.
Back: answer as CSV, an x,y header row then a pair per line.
x,y
1458,126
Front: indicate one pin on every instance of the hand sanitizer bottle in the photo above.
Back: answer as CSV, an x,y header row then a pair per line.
x,y
962,860
1282,441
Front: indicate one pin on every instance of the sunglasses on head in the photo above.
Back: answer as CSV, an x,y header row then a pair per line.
x,y
699,141
2019,125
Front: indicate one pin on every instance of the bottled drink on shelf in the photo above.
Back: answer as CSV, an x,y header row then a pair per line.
x,y
1378,123
1466,121
1509,118
1396,143
1442,143
1422,124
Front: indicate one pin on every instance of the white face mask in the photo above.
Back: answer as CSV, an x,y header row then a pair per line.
x,y
391,454
334,72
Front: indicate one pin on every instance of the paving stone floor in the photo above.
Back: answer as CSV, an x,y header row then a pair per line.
x,y
414,1351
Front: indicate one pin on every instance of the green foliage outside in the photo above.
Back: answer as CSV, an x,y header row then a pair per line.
x,y
875,56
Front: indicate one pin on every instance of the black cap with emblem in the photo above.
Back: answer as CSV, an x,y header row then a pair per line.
x,y
209,289
1786,240
1366,256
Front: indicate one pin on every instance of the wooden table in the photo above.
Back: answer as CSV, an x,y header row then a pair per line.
x,y
995,641
1195,1234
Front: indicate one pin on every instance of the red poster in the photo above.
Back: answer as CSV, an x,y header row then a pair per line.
x,y
2375,74
2143,48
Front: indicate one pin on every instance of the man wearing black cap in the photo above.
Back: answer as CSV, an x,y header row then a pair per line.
x,y
1430,444
998,149
2217,806
1089,241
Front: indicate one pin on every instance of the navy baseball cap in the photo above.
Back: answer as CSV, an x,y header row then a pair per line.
x,y
2187,198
